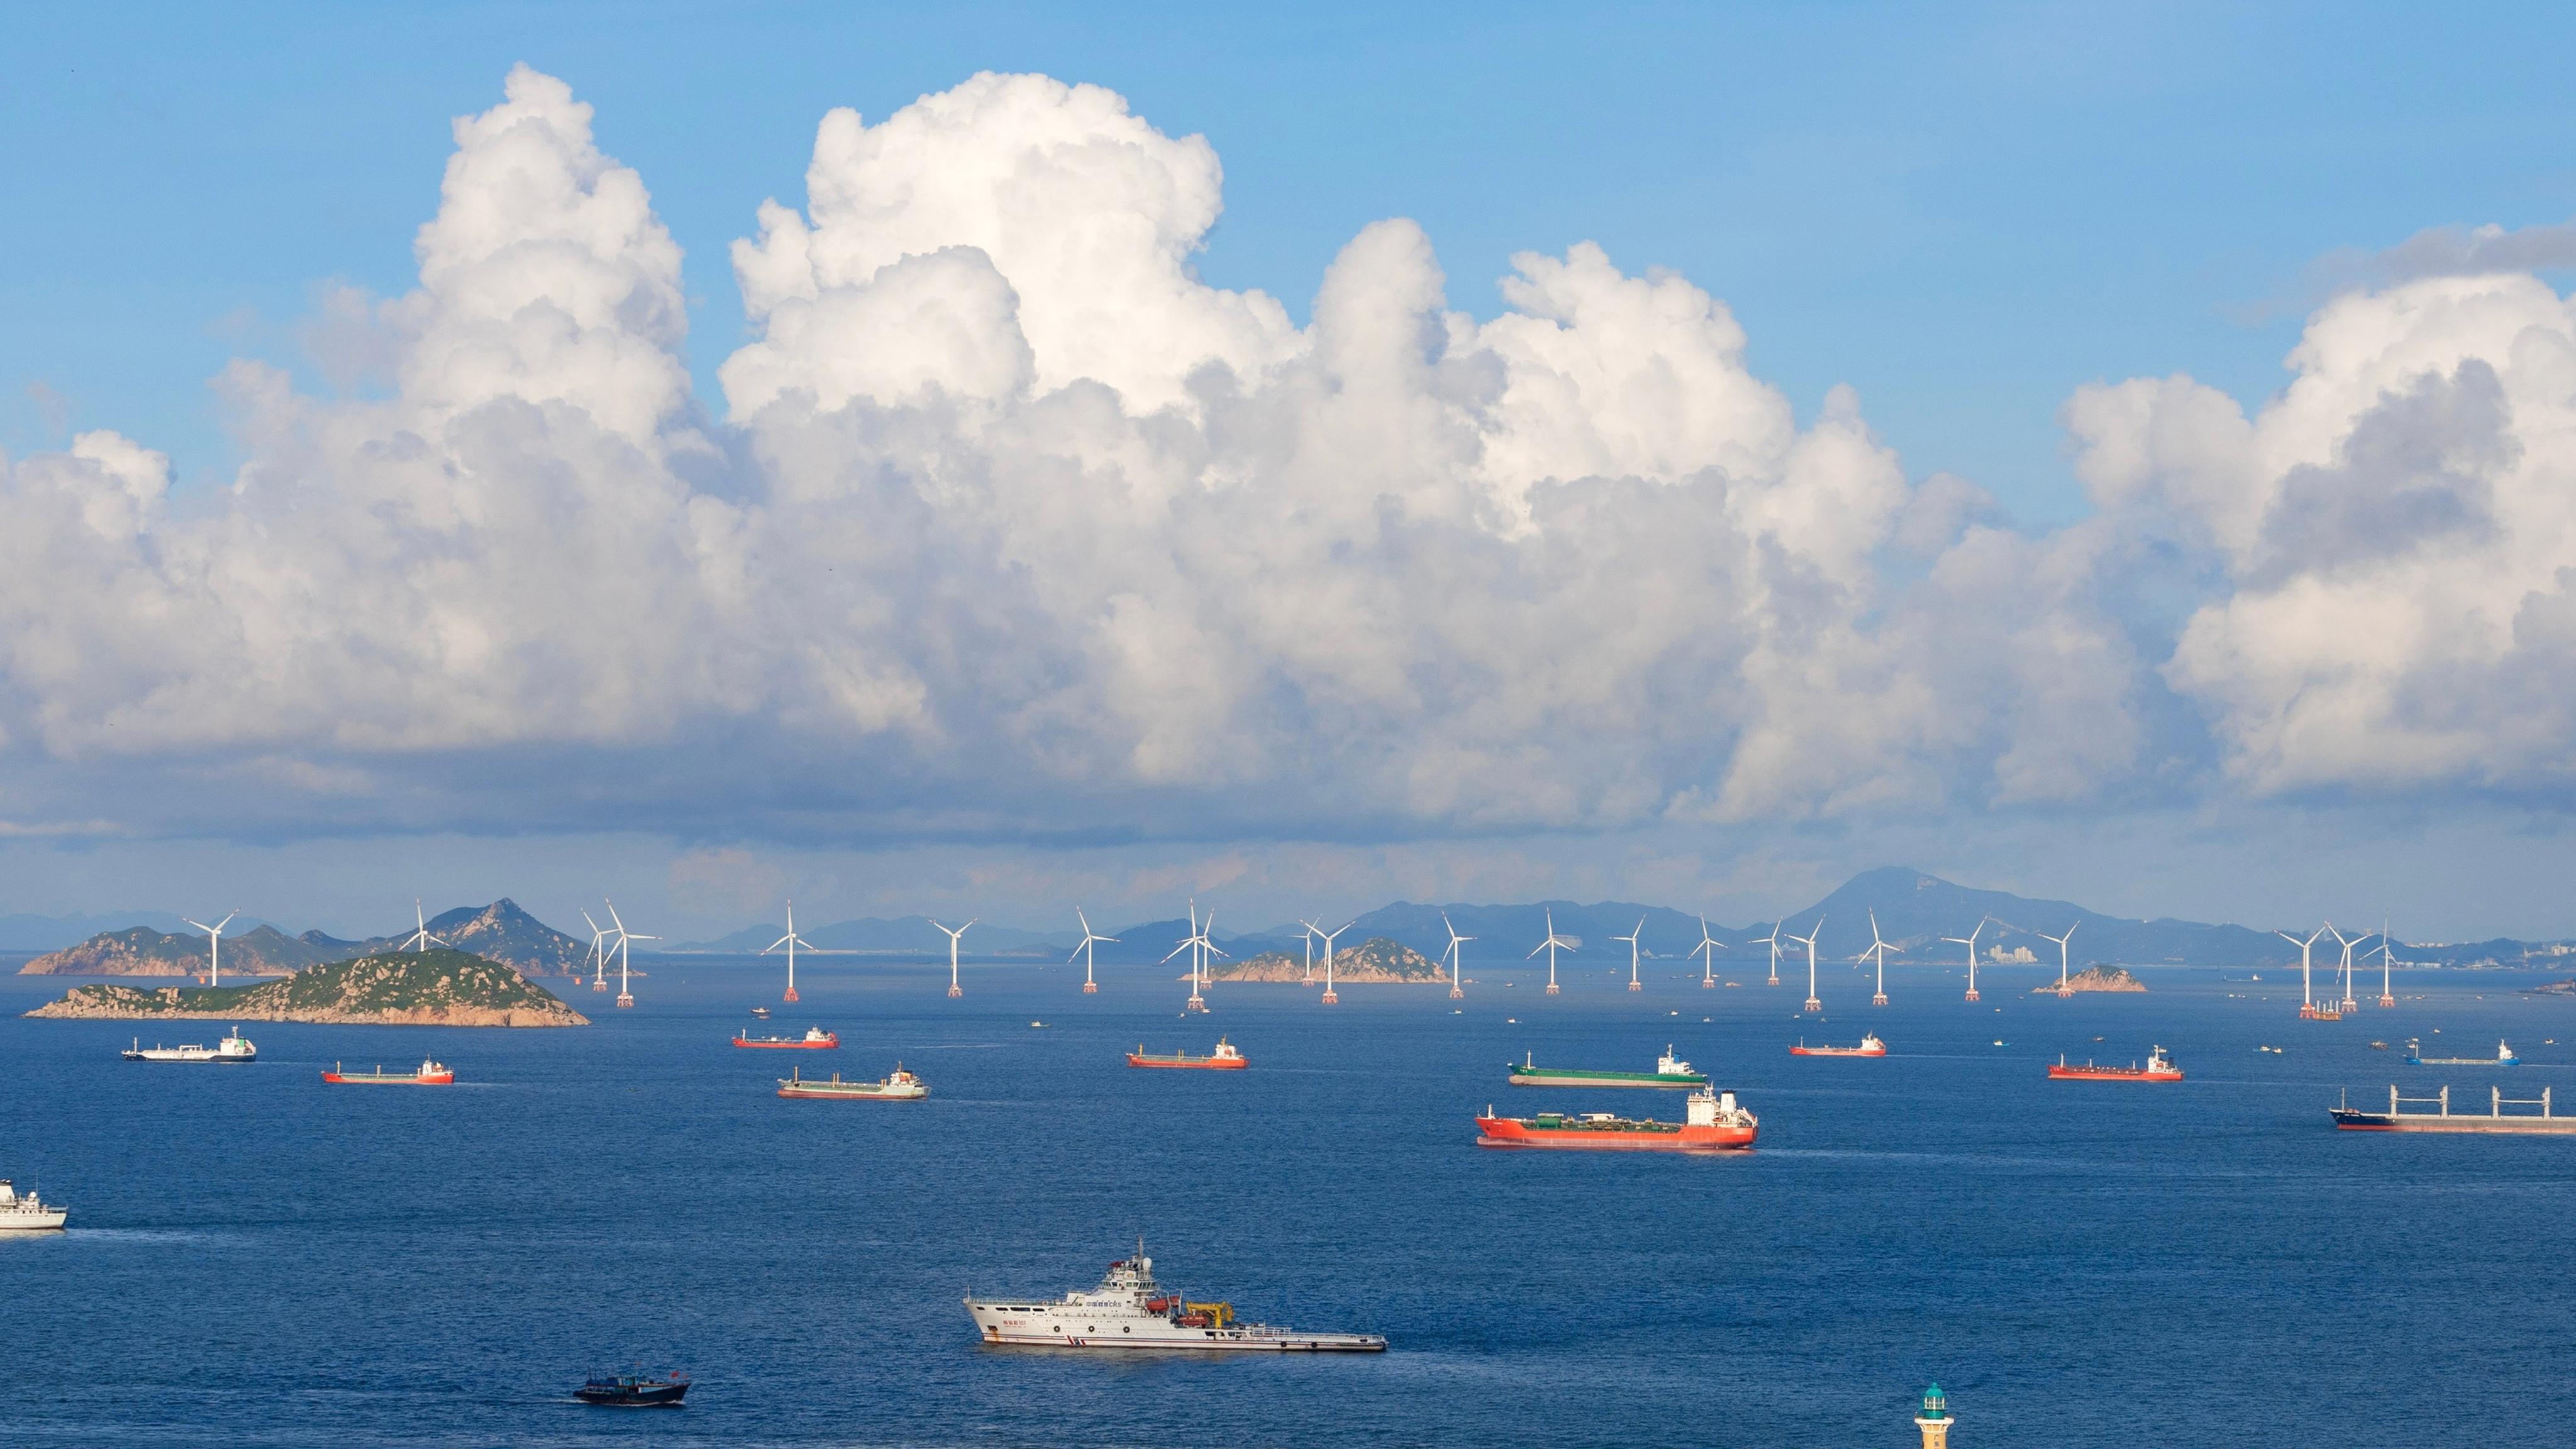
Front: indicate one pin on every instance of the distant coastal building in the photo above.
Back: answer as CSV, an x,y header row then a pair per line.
x,y
1934,1421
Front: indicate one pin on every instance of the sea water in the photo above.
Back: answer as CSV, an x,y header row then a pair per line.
x,y
259,1259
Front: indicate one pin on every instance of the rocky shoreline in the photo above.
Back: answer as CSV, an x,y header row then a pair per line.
x,y
2094,978
421,988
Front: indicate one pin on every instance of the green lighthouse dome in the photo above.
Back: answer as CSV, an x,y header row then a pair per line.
x,y
1936,1404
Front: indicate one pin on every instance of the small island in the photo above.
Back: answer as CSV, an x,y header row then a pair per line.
x,y
2094,978
1376,961
395,988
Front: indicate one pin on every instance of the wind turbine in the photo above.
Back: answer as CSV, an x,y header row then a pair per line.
x,y
2348,1003
1970,941
1329,938
1707,948
598,957
420,938
2385,999
215,952
1089,986
791,941
1457,962
1633,948
1772,941
1207,948
1308,938
1878,948
1818,929
954,990
625,964
2307,1005
2062,988
1550,946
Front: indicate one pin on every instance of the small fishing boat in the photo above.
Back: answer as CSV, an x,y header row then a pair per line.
x,y
429,1074
1226,1058
634,1391
815,1039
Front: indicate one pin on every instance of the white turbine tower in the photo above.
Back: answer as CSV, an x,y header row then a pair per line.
x,y
1457,962
625,961
1878,948
598,956
791,941
1308,938
1550,946
1813,1002
420,937
1633,949
1207,948
1772,941
2063,989
2307,1001
215,950
2348,1004
1970,941
954,990
1329,937
2385,998
1707,948
1090,987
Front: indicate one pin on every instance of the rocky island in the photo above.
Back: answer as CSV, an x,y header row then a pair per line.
x,y
399,988
499,932
1376,961
2094,978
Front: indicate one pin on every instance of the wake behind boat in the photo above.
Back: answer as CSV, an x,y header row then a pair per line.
x,y
231,1049
815,1039
1129,1310
1226,1058
1870,1046
1670,1071
430,1073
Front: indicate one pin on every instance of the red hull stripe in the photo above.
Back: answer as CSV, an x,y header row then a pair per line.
x,y
1211,1065
1505,1132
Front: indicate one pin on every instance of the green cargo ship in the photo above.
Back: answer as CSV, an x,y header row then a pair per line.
x,y
1670,1071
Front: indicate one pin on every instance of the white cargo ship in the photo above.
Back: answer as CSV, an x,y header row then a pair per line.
x,y
231,1049
27,1214
1129,1310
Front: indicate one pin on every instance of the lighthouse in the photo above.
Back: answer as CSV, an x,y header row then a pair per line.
x,y
1934,1421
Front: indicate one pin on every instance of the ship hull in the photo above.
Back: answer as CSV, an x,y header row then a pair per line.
x,y
850,1092
1190,1064
657,1396
1553,1077
2352,1121
1513,1132
1215,1341
33,1223
389,1079
1808,1051
159,1054
759,1045
2109,1074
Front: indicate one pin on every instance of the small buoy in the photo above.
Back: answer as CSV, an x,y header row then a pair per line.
x,y
1513,1020
1041,1023
1999,1041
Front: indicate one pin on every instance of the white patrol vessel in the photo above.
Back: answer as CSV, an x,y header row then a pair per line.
x,y
26,1214
1129,1310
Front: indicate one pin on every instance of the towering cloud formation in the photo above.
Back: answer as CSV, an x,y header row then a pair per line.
x,y
1015,524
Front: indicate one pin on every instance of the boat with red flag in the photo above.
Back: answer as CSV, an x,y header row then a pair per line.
x,y
2158,1068
428,1074
1226,1058
1870,1046
1714,1123
815,1039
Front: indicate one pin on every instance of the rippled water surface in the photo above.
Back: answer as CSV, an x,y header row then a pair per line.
x,y
259,1259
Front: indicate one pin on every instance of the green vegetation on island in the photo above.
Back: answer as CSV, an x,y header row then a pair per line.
x,y
1376,961
500,932
403,988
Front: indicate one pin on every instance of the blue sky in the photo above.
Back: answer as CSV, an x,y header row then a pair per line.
x,y
1981,219
1963,211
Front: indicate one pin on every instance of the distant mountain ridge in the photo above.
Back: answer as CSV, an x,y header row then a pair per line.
x,y
499,932
871,933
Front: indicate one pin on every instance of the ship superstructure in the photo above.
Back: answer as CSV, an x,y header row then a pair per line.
x,y
26,1213
1129,1310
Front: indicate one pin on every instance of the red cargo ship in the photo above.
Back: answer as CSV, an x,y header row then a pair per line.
x,y
1715,1124
1870,1046
1224,1059
430,1074
815,1039
2159,1068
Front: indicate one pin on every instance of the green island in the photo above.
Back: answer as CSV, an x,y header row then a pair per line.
x,y
396,988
